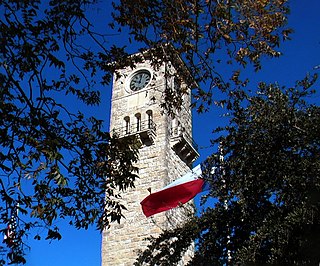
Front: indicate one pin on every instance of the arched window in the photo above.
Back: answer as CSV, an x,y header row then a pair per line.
x,y
126,125
149,119
138,122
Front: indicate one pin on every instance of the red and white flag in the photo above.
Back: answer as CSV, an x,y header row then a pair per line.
x,y
174,194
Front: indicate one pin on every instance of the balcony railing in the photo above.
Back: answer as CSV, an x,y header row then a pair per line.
x,y
183,144
180,132
145,129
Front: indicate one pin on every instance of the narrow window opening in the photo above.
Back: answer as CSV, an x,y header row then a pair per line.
x,y
127,125
138,122
149,115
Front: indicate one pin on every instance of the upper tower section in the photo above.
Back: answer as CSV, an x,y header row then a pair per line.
x,y
139,95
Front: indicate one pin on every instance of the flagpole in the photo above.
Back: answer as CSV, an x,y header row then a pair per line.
x,y
221,159
17,218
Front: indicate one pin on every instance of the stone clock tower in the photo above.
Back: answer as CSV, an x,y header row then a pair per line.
x,y
167,150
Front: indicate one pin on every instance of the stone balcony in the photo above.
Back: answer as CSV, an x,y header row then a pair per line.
x,y
184,146
145,130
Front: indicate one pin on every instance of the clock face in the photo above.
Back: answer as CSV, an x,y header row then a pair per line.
x,y
140,80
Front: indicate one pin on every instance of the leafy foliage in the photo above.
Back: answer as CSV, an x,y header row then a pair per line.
x,y
210,35
266,184
55,162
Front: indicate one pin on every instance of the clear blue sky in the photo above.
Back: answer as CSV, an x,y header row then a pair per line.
x,y
300,55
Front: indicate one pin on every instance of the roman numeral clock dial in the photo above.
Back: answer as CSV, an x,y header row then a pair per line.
x,y
140,80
